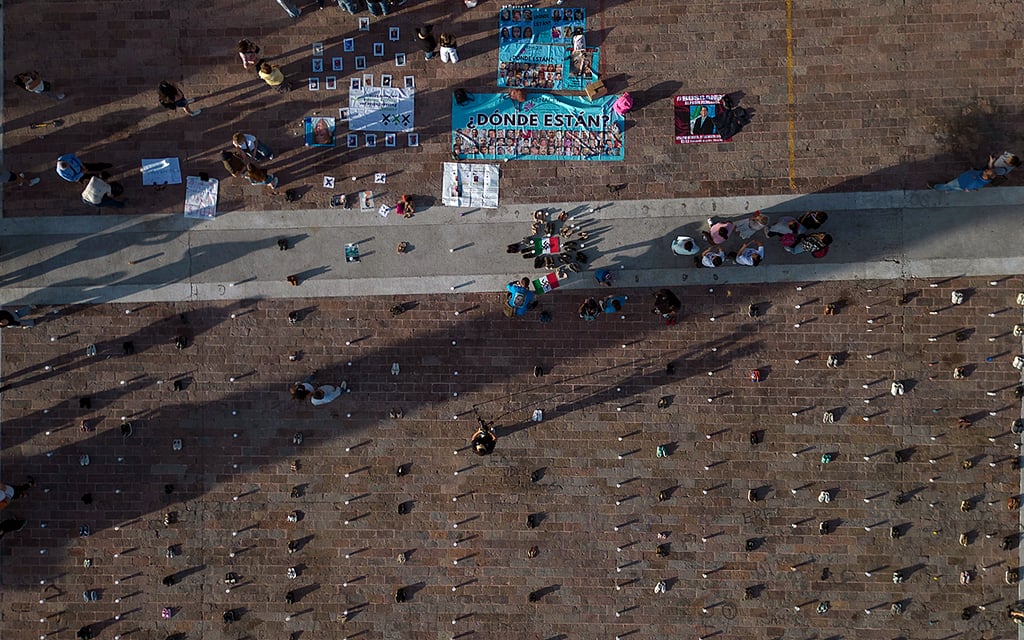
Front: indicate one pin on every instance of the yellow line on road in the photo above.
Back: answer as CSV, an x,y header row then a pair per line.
x,y
789,94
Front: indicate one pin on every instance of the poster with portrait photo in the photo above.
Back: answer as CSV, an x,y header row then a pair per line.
x,y
694,118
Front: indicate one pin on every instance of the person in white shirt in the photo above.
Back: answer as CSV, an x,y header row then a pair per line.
x,y
327,393
750,254
100,194
1004,164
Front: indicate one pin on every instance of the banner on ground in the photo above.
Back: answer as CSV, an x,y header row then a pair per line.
x,y
535,45
201,197
380,108
545,127
694,118
470,185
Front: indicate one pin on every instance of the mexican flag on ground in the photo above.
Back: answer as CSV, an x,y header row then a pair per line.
x,y
546,282
546,245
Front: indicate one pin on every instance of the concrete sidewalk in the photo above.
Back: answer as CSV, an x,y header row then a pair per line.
x,y
879,235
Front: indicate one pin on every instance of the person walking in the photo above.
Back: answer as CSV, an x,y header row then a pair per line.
x,y
99,193
252,147
71,169
971,180
290,8
274,77
32,82
258,176
16,318
604,277
425,40
756,222
172,98
249,52
18,178
449,48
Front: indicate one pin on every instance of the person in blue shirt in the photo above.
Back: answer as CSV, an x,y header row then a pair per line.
x,y
967,181
72,169
613,304
519,298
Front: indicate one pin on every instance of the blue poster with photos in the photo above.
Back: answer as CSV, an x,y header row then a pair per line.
x,y
545,127
535,44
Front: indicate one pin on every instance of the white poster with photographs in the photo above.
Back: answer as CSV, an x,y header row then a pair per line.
x,y
470,185
388,109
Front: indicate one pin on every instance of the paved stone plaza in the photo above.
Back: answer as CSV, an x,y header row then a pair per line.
x,y
855,105
595,450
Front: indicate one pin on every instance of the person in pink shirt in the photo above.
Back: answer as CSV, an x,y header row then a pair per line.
x,y
719,233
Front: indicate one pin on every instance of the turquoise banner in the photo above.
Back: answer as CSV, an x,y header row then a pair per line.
x,y
535,49
545,127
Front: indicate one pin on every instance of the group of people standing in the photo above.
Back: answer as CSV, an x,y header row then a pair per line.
x,y
796,235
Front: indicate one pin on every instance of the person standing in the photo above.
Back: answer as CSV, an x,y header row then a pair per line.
x,y
667,305
274,77
816,244
32,82
484,439
449,50
971,180
70,168
352,6
252,147
17,177
518,298
425,40
100,194
249,52
290,8
234,165
172,98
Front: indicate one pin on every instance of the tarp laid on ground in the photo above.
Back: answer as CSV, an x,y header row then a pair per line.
x,y
691,124
535,45
545,127
470,185
380,108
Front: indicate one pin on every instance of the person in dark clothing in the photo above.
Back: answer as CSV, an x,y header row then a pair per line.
x,y
484,439
667,305
425,40
10,525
